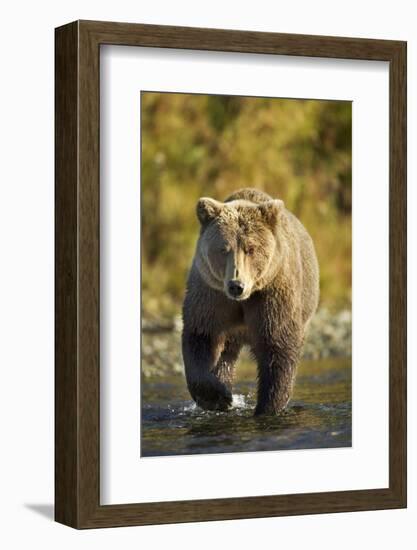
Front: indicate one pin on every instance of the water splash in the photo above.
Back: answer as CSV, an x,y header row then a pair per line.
x,y
191,407
239,401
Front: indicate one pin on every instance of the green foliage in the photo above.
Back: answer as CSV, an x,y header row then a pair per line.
x,y
200,145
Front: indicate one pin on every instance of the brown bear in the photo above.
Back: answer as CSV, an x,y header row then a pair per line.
x,y
254,280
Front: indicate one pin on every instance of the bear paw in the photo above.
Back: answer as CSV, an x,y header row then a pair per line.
x,y
212,396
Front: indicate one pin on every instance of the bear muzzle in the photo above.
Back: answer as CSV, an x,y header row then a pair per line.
x,y
235,290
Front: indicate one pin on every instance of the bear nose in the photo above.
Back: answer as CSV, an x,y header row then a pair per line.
x,y
235,288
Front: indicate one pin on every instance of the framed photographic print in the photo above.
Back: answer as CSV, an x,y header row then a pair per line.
x,y
230,274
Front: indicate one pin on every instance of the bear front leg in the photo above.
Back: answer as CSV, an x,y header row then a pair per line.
x,y
277,365
208,387
225,367
276,338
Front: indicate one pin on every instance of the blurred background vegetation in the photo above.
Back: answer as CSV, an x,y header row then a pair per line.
x,y
201,145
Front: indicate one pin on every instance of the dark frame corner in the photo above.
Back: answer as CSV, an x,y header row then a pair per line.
x,y
77,47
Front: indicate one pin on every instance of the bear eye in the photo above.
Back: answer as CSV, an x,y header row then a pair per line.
x,y
250,251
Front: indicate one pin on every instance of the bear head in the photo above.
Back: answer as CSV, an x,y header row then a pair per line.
x,y
238,249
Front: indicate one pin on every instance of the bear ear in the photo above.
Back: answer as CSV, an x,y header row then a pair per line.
x,y
207,210
270,211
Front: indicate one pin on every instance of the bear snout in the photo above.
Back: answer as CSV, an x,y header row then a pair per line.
x,y
235,288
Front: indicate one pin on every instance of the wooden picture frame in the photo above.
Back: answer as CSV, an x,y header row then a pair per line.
x,y
77,373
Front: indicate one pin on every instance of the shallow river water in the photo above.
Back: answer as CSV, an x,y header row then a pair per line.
x,y
319,414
